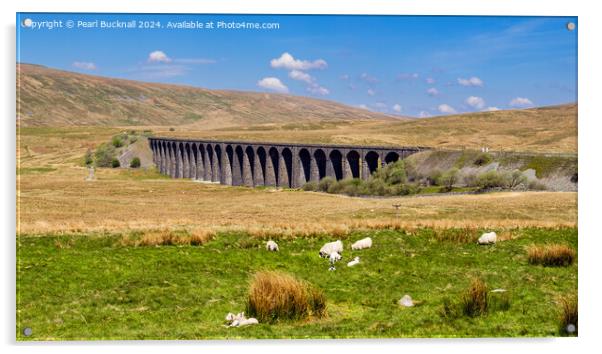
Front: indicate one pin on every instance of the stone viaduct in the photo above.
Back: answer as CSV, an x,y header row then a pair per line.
x,y
268,164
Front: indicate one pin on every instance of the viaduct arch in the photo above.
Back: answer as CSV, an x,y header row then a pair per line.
x,y
238,163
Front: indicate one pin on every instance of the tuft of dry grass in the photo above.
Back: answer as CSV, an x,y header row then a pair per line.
x,y
475,299
277,296
554,255
167,237
568,316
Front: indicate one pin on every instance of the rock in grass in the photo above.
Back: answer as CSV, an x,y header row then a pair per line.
x,y
406,301
488,238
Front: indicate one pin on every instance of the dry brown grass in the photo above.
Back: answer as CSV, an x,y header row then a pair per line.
x,y
569,310
475,300
554,255
277,296
167,237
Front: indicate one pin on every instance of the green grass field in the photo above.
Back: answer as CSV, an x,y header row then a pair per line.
x,y
93,286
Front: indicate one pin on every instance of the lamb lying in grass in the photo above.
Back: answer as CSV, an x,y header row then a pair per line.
x,y
239,320
355,261
271,246
361,244
331,247
487,238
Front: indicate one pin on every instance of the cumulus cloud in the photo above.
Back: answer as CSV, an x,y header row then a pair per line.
x,y
491,109
318,90
430,80
432,91
424,114
84,65
368,78
397,108
521,102
447,109
301,76
158,57
371,92
272,83
475,102
473,81
287,61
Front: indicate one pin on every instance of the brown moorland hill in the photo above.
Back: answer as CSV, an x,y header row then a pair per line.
x,y
50,97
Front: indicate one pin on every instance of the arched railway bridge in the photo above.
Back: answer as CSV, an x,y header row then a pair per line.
x,y
285,165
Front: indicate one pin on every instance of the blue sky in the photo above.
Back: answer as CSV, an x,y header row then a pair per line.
x,y
405,65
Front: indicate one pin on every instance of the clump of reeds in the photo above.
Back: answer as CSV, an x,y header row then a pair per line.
x,y
568,316
475,299
167,237
277,296
554,255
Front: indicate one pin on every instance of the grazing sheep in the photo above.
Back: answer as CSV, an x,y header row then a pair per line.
x,y
271,246
329,248
361,244
355,261
487,238
334,257
240,320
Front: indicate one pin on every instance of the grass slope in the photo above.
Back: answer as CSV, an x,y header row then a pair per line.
x,y
94,288
50,97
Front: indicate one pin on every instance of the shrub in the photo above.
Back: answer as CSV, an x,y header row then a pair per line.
x,y
475,299
537,186
325,183
554,255
411,170
117,141
448,179
199,237
277,296
88,158
135,163
104,155
516,179
375,186
115,163
492,179
310,186
568,316
483,159
469,179
351,187
395,173
171,129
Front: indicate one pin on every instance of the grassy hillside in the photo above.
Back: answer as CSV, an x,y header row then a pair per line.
x,y
49,97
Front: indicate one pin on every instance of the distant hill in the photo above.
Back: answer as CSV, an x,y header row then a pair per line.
x,y
50,97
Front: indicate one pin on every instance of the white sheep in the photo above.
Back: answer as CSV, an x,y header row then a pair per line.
x,y
333,257
230,317
355,261
240,320
487,238
330,248
361,244
271,246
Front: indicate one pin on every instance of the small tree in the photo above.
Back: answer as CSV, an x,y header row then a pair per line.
x,y
483,159
516,179
115,163
135,163
448,179
117,142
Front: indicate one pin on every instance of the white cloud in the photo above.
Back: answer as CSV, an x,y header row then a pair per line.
x,y
318,90
272,83
430,80
491,109
424,114
473,81
84,65
368,78
397,108
287,61
301,76
371,92
158,57
521,102
475,102
447,109
432,91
